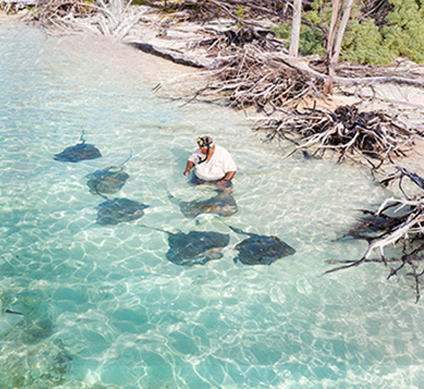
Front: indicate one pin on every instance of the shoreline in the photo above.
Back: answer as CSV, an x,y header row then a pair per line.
x,y
179,81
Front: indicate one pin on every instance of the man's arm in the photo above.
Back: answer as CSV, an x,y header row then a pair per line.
x,y
229,176
188,168
226,178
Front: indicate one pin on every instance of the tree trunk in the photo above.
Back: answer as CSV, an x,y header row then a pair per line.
x,y
334,42
295,31
341,31
333,26
328,84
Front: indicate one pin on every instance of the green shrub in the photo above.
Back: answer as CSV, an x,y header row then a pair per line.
x,y
240,13
282,30
404,31
310,42
402,34
363,43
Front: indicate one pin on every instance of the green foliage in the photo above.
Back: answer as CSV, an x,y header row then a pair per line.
x,y
365,42
140,2
281,31
240,13
309,40
143,2
405,30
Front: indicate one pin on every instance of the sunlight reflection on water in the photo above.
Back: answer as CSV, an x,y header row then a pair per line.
x,y
101,307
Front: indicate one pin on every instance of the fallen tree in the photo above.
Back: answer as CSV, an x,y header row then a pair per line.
x,y
397,221
252,78
375,136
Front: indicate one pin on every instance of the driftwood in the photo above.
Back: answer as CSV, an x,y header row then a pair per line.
x,y
396,220
375,136
111,18
178,57
390,76
254,78
399,175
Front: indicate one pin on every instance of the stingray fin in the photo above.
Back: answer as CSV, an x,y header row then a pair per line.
x,y
189,210
203,257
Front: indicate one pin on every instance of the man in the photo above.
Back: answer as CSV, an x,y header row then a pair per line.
x,y
212,163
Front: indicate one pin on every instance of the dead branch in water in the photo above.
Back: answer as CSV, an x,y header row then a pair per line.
x,y
399,175
396,221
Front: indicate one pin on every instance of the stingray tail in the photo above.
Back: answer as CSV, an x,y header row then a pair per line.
x,y
82,140
13,312
155,228
238,230
123,163
171,196
120,166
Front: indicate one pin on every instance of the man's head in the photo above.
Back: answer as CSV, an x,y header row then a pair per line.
x,y
205,146
205,141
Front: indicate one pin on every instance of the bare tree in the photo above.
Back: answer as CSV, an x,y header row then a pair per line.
x,y
333,26
340,33
295,31
335,38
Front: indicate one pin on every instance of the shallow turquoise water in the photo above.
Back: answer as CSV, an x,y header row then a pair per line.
x,y
103,308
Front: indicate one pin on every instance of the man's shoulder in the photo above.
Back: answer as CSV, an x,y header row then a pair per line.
x,y
195,156
221,149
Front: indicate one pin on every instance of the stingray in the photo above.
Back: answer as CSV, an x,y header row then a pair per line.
x,y
194,248
112,212
261,249
222,204
78,152
108,180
